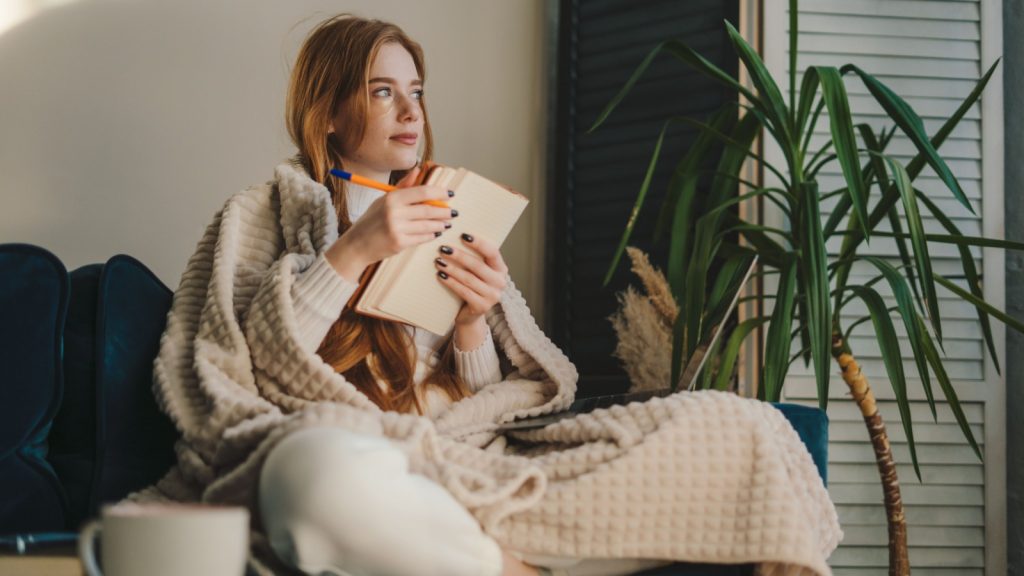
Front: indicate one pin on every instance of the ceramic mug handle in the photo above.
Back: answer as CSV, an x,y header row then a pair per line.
x,y
85,547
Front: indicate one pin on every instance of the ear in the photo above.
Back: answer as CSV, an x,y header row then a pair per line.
x,y
330,128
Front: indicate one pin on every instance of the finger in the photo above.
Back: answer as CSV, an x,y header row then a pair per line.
x,y
427,212
471,281
410,177
474,264
420,227
476,302
487,250
417,194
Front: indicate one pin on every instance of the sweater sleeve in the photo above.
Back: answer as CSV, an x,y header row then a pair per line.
x,y
320,294
479,367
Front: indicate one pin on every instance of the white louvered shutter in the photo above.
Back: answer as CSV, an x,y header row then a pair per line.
x,y
932,54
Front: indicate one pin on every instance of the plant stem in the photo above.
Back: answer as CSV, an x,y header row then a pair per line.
x,y
899,563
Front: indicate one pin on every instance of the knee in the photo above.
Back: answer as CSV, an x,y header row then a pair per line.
x,y
316,493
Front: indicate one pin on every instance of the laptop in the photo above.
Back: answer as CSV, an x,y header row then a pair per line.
x,y
687,380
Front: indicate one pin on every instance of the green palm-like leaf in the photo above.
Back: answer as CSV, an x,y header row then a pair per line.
x,y
905,305
772,253
841,210
690,57
638,204
732,351
970,273
680,206
693,293
776,359
908,121
917,238
723,185
869,172
843,137
947,388
999,314
794,23
881,175
734,143
766,86
891,194
814,280
890,347
956,240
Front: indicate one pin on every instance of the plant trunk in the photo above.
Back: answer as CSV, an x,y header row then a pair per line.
x,y
899,564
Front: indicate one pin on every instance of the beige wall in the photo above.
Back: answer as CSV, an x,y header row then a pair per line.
x,y
124,125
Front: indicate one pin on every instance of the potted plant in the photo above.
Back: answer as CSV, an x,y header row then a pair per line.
x,y
814,286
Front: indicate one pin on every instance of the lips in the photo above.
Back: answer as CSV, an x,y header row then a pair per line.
x,y
406,138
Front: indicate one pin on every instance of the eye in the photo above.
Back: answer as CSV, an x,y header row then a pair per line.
x,y
378,90
418,94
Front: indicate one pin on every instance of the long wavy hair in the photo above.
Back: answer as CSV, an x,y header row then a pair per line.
x,y
331,75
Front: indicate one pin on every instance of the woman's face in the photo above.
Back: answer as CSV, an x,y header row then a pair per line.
x,y
394,123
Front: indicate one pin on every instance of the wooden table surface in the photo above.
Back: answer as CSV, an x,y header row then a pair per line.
x,y
40,566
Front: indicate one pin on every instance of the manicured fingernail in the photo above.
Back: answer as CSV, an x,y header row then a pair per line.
x,y
442,274
451,193
436,234
455,213
467,237
441,261
447,249
447,225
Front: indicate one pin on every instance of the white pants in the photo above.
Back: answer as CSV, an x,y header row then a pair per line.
x,y
337,502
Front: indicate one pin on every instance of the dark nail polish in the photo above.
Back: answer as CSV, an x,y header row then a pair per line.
x,y
442,274
451,193
441,261
455,213
436,234
447,225
467,237
447,249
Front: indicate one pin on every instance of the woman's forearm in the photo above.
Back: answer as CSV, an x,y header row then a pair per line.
x,y
345,259
470,336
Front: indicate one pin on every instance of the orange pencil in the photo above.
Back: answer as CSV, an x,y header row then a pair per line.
x,y
362,180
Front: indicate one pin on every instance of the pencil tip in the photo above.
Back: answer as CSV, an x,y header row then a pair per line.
x,y
341,174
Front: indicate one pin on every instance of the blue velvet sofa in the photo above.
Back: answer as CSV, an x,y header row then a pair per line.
x,y
78,423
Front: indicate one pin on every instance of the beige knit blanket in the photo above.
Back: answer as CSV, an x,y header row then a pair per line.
x,y
701,477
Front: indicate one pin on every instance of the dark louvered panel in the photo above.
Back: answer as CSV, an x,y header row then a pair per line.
x,y
597,176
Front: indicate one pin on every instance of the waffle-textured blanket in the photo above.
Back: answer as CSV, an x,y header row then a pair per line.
x,y
701,477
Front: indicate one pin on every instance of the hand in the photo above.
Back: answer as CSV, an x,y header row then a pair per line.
x,y
393,223
476,272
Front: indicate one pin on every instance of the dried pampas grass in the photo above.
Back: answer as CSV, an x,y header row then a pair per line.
x,y
643,326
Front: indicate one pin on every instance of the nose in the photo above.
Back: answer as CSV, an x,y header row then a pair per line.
x,y
409,110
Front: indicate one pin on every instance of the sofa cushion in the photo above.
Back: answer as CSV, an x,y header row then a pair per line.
x,y
135,439
73,437
109,438
33,305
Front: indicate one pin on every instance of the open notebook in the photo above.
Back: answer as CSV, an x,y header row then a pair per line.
x,y
716,318
405,287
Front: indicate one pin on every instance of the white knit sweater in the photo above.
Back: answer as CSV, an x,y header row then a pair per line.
x,y
701,477
477,367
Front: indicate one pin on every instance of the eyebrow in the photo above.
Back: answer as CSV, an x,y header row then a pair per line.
x,y
416,82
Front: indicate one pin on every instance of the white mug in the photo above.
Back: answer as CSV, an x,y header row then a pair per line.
x,y
167,540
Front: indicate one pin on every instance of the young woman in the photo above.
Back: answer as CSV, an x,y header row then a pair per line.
x,y
356,101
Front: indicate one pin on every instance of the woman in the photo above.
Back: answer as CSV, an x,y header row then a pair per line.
x,y
368,447
356,101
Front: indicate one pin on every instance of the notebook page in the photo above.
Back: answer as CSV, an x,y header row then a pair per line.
x,y
446,177
390,269
485,210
